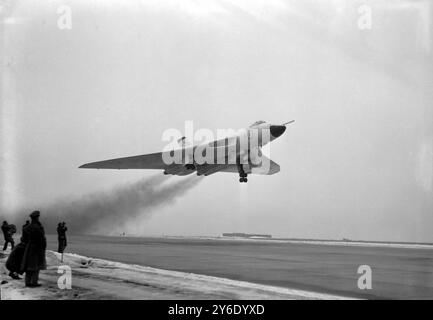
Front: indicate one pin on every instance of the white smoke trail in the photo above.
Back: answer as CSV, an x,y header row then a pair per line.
x,y
104,210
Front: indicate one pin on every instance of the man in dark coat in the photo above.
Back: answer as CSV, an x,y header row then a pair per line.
x,y
34,254
14,261
7,233
25,225
61,233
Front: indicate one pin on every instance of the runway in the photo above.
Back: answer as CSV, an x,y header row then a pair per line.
x,y
397,272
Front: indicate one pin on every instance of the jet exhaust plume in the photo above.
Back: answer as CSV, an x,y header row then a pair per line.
x,y
111,209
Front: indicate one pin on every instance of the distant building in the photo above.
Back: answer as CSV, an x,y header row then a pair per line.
x,y
246,235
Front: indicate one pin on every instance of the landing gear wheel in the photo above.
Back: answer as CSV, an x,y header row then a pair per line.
x,y
242,174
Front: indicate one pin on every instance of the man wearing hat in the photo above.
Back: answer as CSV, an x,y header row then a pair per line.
x,y
34,254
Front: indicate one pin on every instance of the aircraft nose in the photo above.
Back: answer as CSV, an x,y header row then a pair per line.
x,y
277,131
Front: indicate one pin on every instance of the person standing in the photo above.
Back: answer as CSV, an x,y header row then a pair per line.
x,y
25,225
34,255
61,236
7,233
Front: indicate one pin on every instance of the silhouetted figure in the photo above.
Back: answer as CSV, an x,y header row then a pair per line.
x,y
61,236
25,225
34,254
8,231
14,261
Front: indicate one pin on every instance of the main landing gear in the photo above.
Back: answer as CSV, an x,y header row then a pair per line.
x,y
242,174
243,177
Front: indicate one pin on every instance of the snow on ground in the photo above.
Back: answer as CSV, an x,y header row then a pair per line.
x,y
102,279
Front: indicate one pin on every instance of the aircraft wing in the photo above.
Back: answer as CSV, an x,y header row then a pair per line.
x,y
146,161
155,161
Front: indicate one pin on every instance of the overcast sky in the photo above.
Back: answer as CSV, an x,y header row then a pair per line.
x,y
357,163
